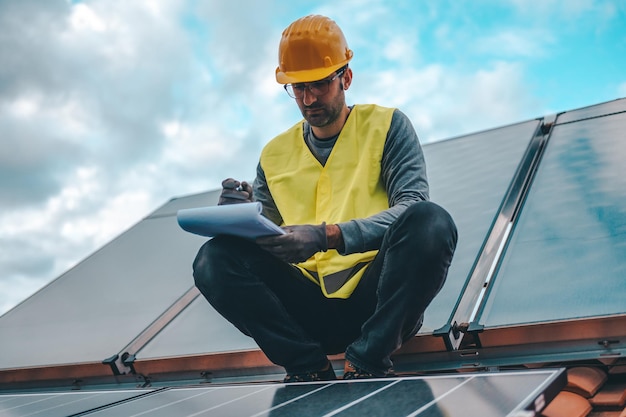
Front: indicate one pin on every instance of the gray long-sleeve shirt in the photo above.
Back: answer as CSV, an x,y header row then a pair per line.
x,y
403,173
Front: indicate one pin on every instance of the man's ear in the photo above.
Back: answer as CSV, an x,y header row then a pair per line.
x,y
346,78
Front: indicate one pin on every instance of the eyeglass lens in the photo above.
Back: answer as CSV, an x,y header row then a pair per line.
x,y
316,88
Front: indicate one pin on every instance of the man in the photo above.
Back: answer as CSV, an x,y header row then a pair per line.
x,y
364,251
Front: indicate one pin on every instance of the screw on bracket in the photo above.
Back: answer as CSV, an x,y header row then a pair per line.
x,y
458,328
607,343
147,382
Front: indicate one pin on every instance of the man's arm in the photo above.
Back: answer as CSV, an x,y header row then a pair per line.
x,y
403,172
262,194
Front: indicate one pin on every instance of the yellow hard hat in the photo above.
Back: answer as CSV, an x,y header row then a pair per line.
x,y
311,48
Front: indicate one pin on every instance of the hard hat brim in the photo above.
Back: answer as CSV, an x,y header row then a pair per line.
x,y
290,77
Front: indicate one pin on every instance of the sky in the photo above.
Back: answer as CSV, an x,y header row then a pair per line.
x,y
110,108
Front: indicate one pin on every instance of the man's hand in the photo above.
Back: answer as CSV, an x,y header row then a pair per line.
x,y
235,192
298,244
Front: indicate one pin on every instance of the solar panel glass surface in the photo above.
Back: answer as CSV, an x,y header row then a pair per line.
x,y
566,256
485,394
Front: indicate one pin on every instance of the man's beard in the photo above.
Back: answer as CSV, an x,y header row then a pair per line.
x,y
320,115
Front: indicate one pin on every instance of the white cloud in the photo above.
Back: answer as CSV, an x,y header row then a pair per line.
x,y
23,107
196,145
84,18
119,213
515,43
400,49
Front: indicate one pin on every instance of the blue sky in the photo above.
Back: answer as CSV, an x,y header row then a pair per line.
x,y
109,108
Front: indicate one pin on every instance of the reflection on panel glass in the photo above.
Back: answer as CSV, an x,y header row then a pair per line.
x,y
567,256
198,329
494,395
485,395
60,404
469,176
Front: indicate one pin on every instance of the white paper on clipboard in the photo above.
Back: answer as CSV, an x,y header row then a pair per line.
x,y
243,219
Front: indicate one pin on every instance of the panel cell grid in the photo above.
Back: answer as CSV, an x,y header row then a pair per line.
x,y
512,393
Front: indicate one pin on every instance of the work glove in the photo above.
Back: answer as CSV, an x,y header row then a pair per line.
x,y
235,192
298,244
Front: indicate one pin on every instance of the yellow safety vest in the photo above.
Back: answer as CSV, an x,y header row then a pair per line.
x,y
347,187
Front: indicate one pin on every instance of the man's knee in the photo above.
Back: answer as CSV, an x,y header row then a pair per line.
x,y
211,263
429,222
431,237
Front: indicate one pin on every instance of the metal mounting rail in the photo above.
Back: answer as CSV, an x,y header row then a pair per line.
x,y
477,285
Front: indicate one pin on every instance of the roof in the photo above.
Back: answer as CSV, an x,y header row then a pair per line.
x,y
537,279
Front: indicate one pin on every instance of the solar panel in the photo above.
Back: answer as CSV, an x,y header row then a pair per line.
x,y
596,110
469,176
513,393
60,404
115,293
566,256
181,336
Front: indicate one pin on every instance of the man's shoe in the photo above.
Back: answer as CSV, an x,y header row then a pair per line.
x,y
352,372
326,374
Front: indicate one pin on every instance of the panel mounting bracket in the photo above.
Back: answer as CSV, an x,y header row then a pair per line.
x,y
118,365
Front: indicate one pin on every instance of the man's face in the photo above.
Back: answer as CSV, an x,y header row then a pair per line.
x,y
323,110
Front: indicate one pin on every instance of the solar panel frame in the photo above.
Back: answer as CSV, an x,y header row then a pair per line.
x,y
510,393
436,395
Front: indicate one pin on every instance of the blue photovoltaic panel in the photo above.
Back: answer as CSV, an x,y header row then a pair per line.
x,y
566,258
55,404
115,294
481,394
598,110
96,308
182,336
469,176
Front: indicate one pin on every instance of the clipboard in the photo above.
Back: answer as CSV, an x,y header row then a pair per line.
x,y
243,220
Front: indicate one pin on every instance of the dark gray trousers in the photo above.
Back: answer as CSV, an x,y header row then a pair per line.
x,y
296,326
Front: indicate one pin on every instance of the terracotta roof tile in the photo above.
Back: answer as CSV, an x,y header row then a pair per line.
x,y
585,380
567,404
611,395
